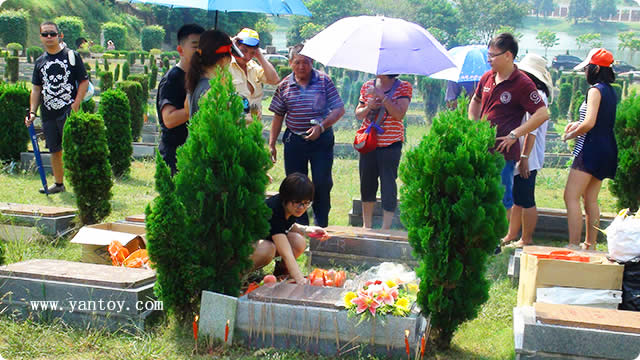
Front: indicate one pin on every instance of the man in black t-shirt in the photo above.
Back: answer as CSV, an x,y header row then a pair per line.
x,y
60,82
172,115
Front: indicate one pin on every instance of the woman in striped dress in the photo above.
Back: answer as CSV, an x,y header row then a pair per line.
x,y
595,153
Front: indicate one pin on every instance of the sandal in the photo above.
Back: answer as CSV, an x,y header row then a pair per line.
x,y
586,246
518,244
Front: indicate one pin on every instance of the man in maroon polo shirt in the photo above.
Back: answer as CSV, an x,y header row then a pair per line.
x,y
504,94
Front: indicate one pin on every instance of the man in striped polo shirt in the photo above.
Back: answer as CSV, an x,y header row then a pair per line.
x,y
311,103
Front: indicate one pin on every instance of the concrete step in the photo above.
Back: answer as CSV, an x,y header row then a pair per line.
x,y
143,150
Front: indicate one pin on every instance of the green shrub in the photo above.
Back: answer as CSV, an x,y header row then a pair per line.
x,y
87,67
233,180
169,247
15,48
14,137
346,90
626,185
131,57
116,112
84,52
107,56
618,90
72,27
166,64
564,100
116,33
89,106
133,89
146,70
451,204
152,36
555,75
116,74
12,68
283,71
432,91
144,81
33,52
125,70
554,113
355,92
13,26
86,161
576,101
143,57
97,49
105,63
155,52
153,78
106,80
114,54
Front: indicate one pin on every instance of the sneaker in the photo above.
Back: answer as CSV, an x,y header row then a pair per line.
x,y
54,189
497,251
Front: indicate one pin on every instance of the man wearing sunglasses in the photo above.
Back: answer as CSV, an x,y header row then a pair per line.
x,y
59,85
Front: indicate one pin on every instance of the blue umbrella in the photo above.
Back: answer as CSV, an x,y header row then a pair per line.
x,y
471,63
36,153
274,7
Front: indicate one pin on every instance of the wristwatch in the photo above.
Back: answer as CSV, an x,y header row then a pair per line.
x,y
512,135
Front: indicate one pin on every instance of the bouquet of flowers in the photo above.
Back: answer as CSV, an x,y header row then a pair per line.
x,y
380,298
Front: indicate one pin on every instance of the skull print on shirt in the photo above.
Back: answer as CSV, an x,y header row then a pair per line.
x,y
57,88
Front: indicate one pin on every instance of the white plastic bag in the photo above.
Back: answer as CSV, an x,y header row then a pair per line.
x,y
574,296
623,237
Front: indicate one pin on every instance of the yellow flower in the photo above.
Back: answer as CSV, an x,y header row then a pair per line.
x,y
348,297
403,303
413,288
390,283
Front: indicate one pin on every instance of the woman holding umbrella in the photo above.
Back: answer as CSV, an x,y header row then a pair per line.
x,y
386,98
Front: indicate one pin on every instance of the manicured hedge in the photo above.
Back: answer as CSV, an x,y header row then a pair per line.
x,y
152,37
86,161
133,89
33,52
116,33
12,68
13,26
106,80
72,27
116,112
144,81
14,137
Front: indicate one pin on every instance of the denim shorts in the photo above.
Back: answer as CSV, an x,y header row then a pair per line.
x,y
507,182
524,190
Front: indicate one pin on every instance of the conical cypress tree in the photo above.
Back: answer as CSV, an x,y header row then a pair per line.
x,y
451,206
86,161
170,249
626,185
221,180
115,110
125,70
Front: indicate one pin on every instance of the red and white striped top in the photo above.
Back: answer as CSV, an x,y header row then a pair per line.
x,y
393,128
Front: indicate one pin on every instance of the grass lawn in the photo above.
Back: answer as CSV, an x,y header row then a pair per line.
x,y
489,336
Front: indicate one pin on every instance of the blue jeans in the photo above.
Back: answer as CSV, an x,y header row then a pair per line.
x,y
298,153
507,182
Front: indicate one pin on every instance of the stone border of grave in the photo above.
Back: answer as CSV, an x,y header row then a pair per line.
x,y
45,218
316,330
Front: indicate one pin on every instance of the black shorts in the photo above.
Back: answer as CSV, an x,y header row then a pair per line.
x,y
52,129
524,190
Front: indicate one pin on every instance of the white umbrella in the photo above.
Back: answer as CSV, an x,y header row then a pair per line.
x,y
378,45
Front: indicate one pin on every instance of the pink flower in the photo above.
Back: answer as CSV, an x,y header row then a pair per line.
x,y
382,293
364,302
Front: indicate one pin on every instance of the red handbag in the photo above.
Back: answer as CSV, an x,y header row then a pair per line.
x,y
367,138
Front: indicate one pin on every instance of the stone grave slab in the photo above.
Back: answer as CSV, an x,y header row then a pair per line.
x,y
51,220
17,233
552,223
349,246
322,330
535,339
144,150
213,323
513,269
28,161
293,294
84,295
